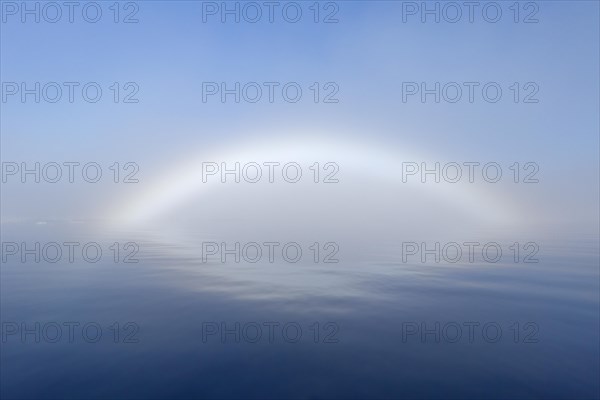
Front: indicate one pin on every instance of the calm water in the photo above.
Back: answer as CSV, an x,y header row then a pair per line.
x,y
357,319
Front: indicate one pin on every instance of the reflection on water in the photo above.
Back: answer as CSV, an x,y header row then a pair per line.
x,y
369,326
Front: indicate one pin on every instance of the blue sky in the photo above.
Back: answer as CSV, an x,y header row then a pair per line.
x,y
368,54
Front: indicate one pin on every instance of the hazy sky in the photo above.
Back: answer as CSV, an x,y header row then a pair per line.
x,y
367,55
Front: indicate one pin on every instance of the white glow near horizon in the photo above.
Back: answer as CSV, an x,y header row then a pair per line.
x,y
358,157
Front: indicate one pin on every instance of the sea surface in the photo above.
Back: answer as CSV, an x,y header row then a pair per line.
x,y
371,325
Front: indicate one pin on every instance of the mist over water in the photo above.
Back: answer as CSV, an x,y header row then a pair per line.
x,y
361,200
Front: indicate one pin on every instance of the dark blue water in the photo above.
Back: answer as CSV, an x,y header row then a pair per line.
x,y
366,327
